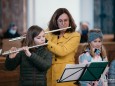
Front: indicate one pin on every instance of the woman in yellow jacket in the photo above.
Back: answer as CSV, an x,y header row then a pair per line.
x,y
63,44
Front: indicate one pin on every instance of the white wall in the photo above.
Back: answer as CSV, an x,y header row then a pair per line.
x,y
30,13
40,11
87,12
44,9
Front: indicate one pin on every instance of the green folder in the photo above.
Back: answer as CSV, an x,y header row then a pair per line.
x,y
93,71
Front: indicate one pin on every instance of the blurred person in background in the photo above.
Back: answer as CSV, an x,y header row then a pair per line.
x,y
84,31
111,74
12,31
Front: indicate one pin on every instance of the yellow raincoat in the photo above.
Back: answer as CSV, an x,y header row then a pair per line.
x,y
63,50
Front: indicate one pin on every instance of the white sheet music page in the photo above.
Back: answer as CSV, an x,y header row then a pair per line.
x,y
72,72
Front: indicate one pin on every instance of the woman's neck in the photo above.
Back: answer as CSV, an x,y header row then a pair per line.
x,y
61,34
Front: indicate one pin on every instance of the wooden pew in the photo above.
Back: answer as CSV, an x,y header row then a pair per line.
x,y
8,78
108,37
6,44
110,48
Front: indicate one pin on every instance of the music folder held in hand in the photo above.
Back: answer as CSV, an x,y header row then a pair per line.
x,y
83,72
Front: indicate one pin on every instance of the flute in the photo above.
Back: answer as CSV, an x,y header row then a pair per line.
x,y
9,52
57,30
22,37
17,38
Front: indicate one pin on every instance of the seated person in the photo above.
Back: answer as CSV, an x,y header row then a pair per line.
x,y
84,31
11,31
111,74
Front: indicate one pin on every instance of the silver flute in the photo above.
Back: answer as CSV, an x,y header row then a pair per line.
x,y
23,37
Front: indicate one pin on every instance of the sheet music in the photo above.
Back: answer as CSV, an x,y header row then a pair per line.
x,y
72,72
75,65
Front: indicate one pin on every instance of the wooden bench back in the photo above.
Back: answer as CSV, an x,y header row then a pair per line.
x,y
6,44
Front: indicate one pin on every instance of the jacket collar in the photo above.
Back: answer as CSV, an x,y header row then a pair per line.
x,y
66,35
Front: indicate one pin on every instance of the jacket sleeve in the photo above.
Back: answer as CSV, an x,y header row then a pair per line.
x,y
42,63
85,57
67,47
11,64
112,72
